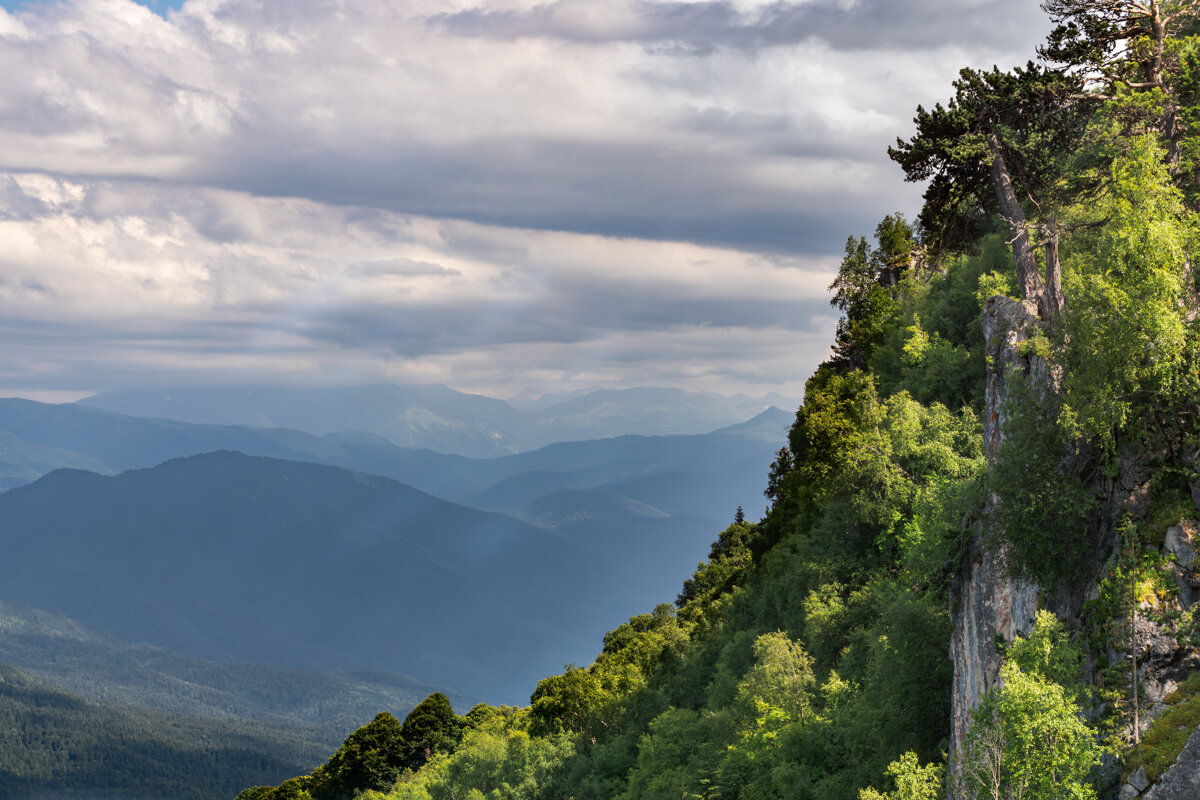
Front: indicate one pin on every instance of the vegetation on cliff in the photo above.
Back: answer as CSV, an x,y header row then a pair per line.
x,y
807,656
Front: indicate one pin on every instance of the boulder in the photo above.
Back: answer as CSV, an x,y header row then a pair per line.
x,y
1179,543
1138,780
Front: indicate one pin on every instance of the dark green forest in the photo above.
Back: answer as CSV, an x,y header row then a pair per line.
x,y
56,744
807,656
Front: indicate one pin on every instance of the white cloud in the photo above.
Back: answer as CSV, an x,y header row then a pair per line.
x,y
455,188
155,279
396,107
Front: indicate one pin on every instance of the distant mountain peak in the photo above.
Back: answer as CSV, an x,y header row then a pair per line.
x,y
437,418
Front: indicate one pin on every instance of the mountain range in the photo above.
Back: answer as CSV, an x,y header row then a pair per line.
x,y
444,420
294,580
232,557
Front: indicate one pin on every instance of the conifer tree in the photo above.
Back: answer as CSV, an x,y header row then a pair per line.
x,y
997,141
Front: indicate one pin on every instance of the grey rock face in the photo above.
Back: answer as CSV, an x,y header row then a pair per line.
x,y
1164,663
1138,780
987,604
1005,328
1182,780
1179,543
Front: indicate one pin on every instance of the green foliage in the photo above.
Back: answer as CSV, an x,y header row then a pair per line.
x,y
370,758
569,702
872,461
932,346
1023,116
676,755
1035,493
992,284
729,556
864,290
430,728
1048,652
913,781
376,755
781,682
1124,329
1027,738
499,761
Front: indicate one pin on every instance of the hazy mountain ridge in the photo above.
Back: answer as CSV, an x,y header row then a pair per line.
x,y
297,553
440,419
269,542
727,463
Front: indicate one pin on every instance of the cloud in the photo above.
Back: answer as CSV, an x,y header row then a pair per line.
x,y
115,281
722,122
702,27
477,193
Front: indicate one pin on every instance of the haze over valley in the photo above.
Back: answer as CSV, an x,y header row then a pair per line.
x,y
306,579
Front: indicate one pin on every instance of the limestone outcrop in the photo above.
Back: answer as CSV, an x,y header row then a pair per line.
x,y
986,604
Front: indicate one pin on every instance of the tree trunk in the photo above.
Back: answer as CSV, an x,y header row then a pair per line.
x,y
1014,216
1158,32
1052,303
1137,722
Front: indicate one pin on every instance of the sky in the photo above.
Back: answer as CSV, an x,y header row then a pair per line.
x,y
495,195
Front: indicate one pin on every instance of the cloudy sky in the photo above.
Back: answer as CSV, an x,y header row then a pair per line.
x,y
489,194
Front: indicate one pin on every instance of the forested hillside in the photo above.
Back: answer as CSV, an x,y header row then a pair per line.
x,y
807,656
54,744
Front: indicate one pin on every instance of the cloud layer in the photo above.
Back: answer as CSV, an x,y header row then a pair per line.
x,y
142,283
482,194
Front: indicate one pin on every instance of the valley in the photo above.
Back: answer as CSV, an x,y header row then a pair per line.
x,y
248,576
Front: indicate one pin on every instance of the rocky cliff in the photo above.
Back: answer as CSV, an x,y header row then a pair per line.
x,y
989,607
986,604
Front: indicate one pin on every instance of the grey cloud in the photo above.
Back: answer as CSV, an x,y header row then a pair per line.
x,y
608,189
694,170
374,113
699,28
400,267
567,317
798,135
